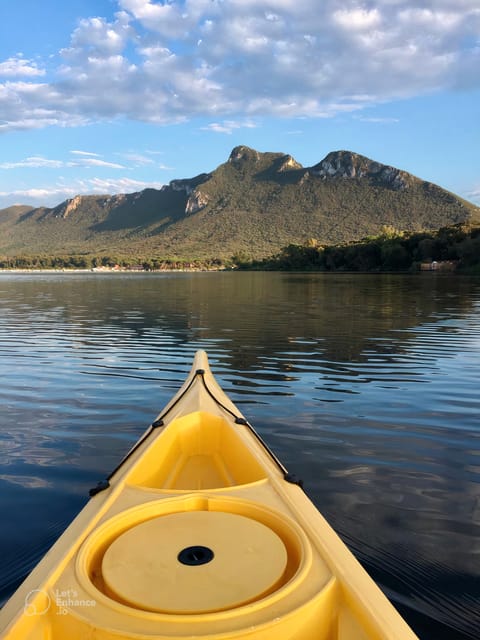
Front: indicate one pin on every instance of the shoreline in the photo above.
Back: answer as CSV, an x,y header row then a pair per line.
x,y
113,271
73,271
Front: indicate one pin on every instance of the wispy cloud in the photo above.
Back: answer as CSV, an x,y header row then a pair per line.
x,y
288,58
120,185
137,159
96,162
374,120
148,157
85,160
33,161
228,126
76,152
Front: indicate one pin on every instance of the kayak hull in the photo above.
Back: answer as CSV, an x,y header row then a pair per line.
x,y
200,532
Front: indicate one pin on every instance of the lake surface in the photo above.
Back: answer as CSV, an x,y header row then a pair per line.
x,y
367,386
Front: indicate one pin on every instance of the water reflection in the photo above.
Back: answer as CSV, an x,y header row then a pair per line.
x,y
366,386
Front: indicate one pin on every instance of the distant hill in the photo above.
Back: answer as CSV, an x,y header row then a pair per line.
x,y
254,203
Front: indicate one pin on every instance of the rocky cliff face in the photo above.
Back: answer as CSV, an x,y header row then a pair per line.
x,y
186,184
196,202
287,163
67,207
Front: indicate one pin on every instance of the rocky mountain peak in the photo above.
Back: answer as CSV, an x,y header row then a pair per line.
x,y
243,154
346,164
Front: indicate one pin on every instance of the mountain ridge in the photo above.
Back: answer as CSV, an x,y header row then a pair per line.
x,y
255,202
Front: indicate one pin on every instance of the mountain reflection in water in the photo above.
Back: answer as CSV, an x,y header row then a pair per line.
x,y
365,385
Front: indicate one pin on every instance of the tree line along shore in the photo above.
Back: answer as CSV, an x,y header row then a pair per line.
x,y
449,249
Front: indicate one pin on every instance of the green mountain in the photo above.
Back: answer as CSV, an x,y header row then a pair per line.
x,y
254,203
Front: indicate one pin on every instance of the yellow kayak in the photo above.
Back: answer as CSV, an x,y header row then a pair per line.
x,y
200,532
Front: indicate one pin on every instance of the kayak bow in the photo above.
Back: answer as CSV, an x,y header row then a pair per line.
x,y
200,532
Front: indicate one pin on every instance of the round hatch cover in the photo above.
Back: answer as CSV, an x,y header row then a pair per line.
x,y
194,562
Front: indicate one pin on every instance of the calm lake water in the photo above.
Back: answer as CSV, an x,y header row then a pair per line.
x,y
367,386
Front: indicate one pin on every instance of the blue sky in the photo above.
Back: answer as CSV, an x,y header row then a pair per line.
x,y
112,96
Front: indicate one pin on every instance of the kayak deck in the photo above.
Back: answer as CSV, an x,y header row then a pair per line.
x,y
200,533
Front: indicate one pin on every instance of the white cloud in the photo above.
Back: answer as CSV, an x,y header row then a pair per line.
x,y
171,19
96,162
18,66
76,152
120,185
228,126
374,120
30,105
37,197
431,19
355,18
137,159
85,160
33,161
100,38
40,162
55,194
168,62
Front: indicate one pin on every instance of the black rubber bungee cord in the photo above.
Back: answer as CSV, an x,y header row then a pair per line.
x,y
159,422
